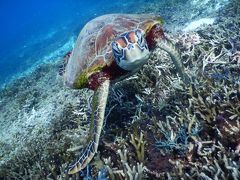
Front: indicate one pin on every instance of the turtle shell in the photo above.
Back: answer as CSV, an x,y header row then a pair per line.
x,y
93,52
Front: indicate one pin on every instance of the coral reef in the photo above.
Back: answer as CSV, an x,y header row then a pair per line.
x,y
138,144
157,127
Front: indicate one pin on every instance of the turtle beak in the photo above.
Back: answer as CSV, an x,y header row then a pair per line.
x,y
134,57
135,54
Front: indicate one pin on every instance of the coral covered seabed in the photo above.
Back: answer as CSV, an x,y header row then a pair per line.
x,y
156,127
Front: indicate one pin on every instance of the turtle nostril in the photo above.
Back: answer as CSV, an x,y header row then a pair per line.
x,y
130,46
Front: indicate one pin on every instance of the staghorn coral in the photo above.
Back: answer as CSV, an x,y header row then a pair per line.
x,y
128,172
223,166
201,120
176,135
138,144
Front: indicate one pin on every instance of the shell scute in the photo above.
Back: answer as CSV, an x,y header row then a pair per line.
x,y
104,37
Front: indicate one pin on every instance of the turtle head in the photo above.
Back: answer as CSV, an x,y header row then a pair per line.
x,y
130,50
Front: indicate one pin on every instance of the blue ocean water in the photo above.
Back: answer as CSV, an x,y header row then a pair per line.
x,y
34,31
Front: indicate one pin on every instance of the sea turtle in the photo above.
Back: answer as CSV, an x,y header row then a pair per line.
x,y
109,48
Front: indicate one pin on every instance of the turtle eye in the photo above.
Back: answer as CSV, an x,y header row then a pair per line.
x,y
116,50
141,40
139,33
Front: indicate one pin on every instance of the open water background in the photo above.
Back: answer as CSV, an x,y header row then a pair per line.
x,y
34,31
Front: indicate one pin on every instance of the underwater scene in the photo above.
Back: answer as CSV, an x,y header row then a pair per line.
x,y
124,89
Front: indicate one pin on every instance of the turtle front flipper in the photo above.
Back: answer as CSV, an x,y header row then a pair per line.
x,y
166,45
98,109
156,39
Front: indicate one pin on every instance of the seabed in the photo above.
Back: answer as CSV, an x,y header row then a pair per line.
x,y
156,127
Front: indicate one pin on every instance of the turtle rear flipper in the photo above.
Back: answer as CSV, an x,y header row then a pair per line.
x,y
99,103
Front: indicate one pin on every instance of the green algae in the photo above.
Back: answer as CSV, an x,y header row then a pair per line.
x,y
83,78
